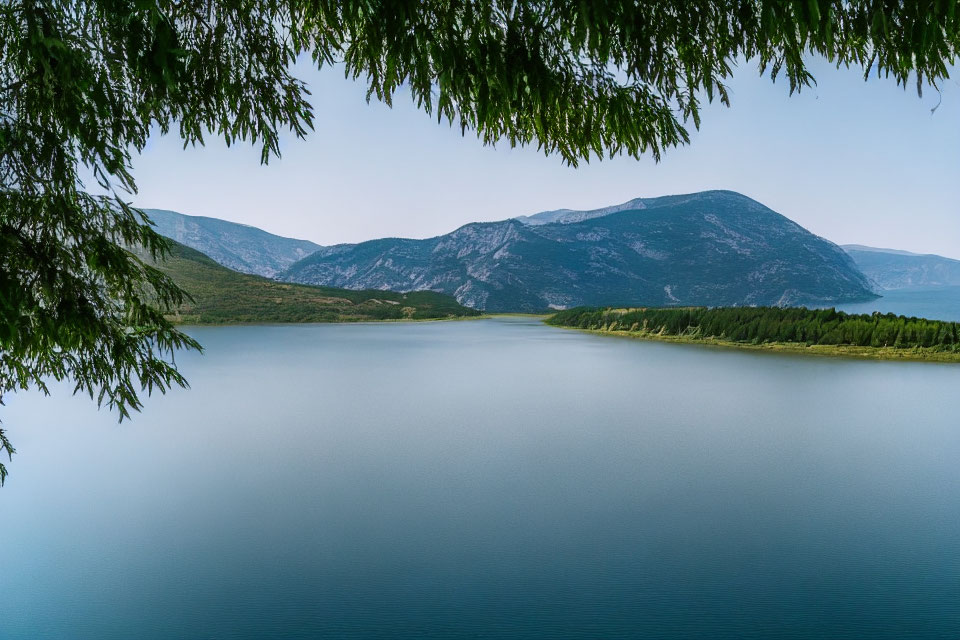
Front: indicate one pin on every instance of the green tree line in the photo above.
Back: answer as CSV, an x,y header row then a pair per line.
x,y
758,325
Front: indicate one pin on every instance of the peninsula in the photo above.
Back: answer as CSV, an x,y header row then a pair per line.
x,y
795,330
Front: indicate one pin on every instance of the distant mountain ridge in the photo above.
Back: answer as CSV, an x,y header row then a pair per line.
x,y
711,248
862,247
894,269
570,216
237,246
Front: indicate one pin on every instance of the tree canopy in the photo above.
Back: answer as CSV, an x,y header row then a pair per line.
x,y
84,84
759,325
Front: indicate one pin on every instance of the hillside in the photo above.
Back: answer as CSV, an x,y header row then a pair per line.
x,y
237,246
714,248
892,269
225,296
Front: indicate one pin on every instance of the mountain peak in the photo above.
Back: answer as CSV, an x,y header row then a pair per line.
x,y
711,248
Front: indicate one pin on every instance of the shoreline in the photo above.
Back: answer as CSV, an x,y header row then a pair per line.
x,y
267,323
789,348
275,323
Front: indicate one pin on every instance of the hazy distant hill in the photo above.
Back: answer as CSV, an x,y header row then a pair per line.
x,y
893,269
238,246
567,216
710,248
222,295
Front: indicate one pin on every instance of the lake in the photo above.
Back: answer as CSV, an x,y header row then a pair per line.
x,y
935,303
489,478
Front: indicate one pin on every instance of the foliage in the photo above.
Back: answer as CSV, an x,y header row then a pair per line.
x,y
221,295
590,78
84,84
759,325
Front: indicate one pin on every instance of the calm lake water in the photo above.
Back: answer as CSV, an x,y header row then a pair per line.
x,y
491,478
936,303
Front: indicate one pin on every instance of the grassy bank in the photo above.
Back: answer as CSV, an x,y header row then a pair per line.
x,y
815,332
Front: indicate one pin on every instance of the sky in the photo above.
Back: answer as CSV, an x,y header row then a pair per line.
x,y
852,161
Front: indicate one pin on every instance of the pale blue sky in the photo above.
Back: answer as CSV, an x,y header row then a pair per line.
x,y
853,161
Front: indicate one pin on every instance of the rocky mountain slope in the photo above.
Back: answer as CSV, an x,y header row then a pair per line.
x,y
893,269
711,248
221,295
237,246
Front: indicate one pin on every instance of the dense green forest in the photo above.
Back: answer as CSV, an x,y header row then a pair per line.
x,y
762,325
221,295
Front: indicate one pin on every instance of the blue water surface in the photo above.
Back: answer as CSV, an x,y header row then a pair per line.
x,y
490,478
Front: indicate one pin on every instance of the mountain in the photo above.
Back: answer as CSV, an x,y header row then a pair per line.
x,y
237,246
893,269
860,247
567,216
712,248
222,295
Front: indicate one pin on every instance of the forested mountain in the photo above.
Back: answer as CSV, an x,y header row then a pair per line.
x,y
222,296
892,269
237,246
712,248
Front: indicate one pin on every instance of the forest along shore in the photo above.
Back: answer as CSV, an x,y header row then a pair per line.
x,y
822,332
